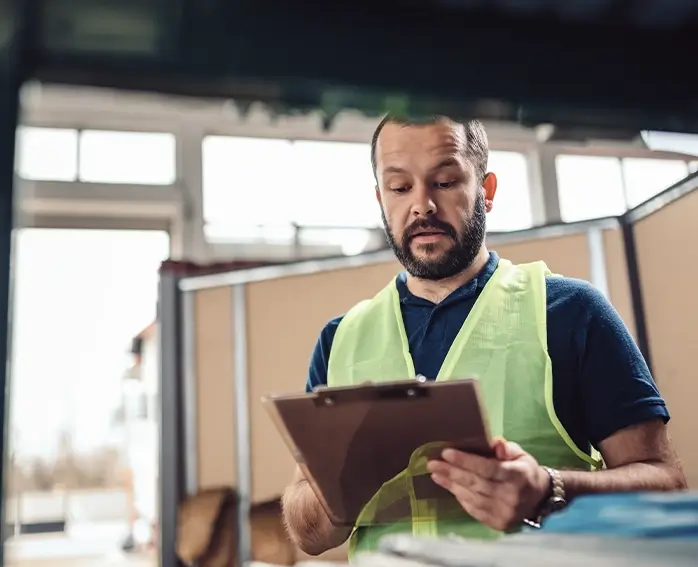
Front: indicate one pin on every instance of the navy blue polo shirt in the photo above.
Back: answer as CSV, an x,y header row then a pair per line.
x,y
601,381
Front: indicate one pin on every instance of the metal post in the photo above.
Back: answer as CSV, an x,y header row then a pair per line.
x,y
597,259
191,453
170,462
242,423
636,298
13,33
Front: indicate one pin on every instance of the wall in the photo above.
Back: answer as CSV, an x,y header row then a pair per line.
x,y
667,240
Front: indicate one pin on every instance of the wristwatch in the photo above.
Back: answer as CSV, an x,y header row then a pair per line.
x,y
553,502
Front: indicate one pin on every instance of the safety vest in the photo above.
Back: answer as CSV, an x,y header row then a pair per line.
x,y
503,343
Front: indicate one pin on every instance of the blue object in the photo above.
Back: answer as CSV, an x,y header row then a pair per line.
x,y
670,515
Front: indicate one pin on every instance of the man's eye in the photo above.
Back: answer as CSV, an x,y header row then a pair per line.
x,y
398,189
445,184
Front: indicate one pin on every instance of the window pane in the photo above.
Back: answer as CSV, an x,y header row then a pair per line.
x,y
127,157
644,178
47,154
589,187
249,188
512,202
334,185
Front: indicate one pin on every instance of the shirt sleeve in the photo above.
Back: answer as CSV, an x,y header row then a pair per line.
x,y
319,360
616,385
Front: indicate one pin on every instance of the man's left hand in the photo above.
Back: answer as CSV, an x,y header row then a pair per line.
x,y
499,492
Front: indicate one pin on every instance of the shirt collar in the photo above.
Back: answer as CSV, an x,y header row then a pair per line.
x,y
466,291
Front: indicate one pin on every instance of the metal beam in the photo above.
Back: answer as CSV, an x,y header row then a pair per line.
x,y
13,33
171,461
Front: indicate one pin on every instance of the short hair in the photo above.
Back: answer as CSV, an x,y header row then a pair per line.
x,y
476,145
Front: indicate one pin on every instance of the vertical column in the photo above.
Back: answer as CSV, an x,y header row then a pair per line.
x,y
171,467
190,393
597,259
636,297
12,37
548,176
190,238
242,422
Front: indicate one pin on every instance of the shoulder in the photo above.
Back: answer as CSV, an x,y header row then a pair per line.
x,y
609,372
575,293
317,373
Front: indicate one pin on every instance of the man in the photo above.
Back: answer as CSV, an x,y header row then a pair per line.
x,y
560,374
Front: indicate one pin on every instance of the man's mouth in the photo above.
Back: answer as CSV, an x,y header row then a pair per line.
x,y
431,234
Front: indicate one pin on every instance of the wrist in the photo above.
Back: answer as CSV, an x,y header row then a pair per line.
x,y
554,497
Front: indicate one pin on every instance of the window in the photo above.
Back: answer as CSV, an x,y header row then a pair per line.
x,y
249,188
644,178
47,154
512,203
258,189
589,187
335,185
127,157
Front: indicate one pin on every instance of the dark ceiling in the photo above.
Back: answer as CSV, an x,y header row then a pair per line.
x,y
616,64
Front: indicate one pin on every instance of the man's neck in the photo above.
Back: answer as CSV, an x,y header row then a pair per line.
x,y
438,290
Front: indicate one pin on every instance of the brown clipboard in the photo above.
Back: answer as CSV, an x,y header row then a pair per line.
x,y
349,441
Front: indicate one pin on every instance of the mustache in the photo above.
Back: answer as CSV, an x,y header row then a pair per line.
x,y
430,223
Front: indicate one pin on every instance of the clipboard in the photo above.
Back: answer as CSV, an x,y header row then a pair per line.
x,y
349,441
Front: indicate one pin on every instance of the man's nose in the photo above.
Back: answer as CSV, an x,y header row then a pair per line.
x,y
423,204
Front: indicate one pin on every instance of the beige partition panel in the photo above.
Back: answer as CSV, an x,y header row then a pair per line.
x,y
567,255
666,239
215,392
285,317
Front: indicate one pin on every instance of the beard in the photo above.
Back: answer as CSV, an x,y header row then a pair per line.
x,y
467,241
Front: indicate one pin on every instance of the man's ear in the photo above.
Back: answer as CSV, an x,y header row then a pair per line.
x,y
489,186
378,196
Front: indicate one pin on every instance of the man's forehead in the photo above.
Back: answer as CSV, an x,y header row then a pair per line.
x,y
401,139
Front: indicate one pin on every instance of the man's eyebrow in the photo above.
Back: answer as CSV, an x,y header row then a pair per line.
x,y
394,169
448,162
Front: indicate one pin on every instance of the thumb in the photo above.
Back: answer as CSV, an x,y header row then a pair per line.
x,y
508,450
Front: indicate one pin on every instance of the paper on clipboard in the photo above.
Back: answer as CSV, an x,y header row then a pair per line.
x,y
349,441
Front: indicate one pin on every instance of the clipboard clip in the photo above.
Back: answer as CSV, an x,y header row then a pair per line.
x,y
403,390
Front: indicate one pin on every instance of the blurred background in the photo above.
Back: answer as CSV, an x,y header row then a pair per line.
x,y
136,145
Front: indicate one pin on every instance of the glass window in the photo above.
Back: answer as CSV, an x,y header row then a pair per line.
x,y
512,202
334,185
249,189
319,184
146,158
47,154
589,187
644,178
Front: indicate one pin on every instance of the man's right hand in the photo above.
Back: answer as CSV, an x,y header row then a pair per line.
x,y
307,522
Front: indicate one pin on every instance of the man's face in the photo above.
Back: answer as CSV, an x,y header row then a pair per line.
x,y
432,202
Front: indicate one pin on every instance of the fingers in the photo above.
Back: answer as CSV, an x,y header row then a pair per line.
x,y
485,501
453,479
481,466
